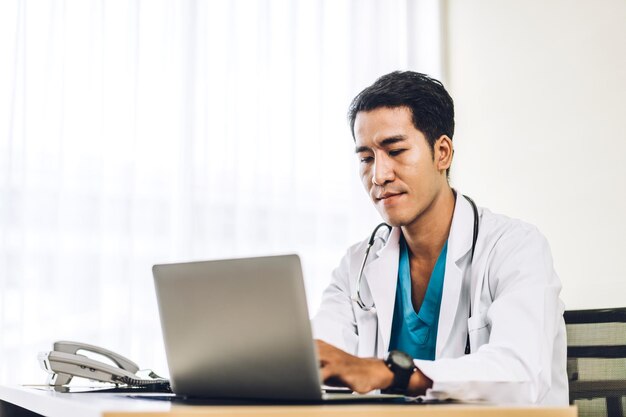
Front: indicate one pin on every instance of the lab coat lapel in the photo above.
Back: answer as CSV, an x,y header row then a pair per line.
x,y
382,276
459,245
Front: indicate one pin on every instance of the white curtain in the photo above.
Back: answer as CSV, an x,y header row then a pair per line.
x,y
143,132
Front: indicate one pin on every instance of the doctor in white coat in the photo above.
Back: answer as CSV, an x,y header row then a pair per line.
x,y
502,291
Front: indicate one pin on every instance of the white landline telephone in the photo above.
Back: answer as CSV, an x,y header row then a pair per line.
x,y
63,363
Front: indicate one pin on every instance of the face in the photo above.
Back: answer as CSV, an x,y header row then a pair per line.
x,y
398,169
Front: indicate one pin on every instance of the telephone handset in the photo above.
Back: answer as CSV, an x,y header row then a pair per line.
x,y
63,363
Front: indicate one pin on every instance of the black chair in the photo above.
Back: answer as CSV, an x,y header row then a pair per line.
x,y
596,361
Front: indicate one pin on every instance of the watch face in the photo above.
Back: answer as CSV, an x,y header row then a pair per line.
x,y
402,359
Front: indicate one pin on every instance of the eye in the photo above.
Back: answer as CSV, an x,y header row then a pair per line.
x,y
396,152
366,159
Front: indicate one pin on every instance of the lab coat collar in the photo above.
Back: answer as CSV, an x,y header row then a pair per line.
x,y
459,245
462,229
382,276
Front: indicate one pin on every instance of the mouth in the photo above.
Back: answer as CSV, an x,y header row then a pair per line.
x,y
388,197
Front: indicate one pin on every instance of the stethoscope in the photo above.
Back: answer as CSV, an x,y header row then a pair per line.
x,y
356,297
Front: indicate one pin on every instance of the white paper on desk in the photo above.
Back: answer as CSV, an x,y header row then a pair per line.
x,y
477,392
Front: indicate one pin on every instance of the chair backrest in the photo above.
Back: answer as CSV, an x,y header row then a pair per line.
x,y
596,360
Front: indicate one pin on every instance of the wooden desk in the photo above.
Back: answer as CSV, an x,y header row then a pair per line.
x,y
27,402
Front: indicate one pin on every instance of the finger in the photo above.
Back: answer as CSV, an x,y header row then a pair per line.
x,y
326,373
329,377
335,382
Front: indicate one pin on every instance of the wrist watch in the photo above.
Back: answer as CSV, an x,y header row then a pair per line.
x,y
402,367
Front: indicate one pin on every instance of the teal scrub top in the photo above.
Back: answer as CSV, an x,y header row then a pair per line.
x,y
411,332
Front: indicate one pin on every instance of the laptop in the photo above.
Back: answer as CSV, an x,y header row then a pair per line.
x,y
239,328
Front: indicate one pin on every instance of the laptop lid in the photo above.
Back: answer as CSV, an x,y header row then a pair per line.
x,y
238,328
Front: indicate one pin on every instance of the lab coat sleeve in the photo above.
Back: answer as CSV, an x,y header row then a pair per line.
x,y
518,328
335,322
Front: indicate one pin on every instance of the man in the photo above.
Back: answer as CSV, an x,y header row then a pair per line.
x,y
453,315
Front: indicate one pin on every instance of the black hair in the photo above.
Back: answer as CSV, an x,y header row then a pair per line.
x,y
430,104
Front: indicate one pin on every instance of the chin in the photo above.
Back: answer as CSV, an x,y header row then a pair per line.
x,y
395,223
395,220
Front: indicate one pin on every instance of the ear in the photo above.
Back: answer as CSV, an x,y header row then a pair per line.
x,y
444,151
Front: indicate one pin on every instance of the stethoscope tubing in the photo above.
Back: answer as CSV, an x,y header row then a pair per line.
x,y
357,296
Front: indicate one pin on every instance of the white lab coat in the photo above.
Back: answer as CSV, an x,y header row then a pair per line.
x,y
517,332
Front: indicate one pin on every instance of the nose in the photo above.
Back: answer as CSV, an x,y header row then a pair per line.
x,y
383,171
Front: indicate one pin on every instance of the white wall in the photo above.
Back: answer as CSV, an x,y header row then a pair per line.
x,y
540,93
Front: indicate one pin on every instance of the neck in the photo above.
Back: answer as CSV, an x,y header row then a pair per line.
x,y
427,234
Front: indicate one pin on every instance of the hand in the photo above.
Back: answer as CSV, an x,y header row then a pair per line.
x,y
362,375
